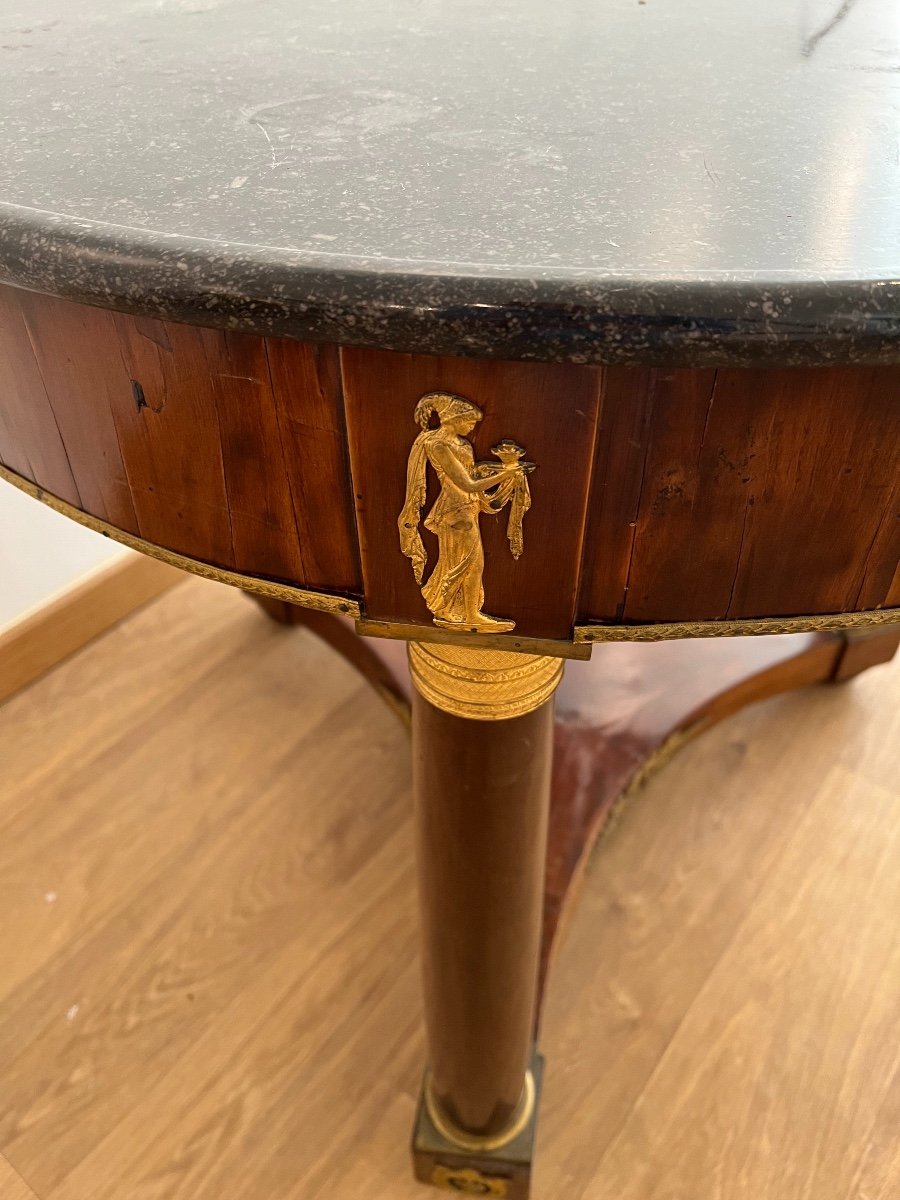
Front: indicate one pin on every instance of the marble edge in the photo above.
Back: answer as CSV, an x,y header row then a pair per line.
x,y
722,320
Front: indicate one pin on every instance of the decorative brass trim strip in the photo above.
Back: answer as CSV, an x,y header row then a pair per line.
x,y
584,635
481,684
471,1141
510,642
749,626
320,601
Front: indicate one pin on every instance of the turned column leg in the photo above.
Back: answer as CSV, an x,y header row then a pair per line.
x,y
482,753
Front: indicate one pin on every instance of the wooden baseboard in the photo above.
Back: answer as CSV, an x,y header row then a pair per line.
x,y
45,636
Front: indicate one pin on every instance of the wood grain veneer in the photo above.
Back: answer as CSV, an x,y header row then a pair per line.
x,y
219,446
744,493
661,495
549,409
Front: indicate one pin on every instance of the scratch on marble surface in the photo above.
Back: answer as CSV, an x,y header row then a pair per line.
x,y
812,42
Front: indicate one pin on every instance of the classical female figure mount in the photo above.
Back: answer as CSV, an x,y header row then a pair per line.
x,y
454,591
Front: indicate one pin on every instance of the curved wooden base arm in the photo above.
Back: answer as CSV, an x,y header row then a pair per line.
x,y
386,670
864,648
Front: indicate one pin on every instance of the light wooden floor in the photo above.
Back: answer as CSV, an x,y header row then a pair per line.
x,y
208,977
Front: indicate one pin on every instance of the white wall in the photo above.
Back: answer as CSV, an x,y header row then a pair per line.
x,y
42,552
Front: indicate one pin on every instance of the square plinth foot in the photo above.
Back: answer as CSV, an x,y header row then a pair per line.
x,y
504,1172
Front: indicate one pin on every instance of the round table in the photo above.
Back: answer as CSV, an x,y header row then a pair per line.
x,y
508,332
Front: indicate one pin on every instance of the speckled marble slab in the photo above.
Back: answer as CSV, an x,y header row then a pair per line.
x,y
669,181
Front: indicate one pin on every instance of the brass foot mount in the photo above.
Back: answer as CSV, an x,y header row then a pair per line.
x,y
494,1167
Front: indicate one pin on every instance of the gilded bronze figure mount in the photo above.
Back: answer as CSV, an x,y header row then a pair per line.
x,y
454,590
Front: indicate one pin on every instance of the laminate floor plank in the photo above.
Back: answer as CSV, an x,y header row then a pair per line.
x,y
295,1064
792,1042
64,720
673,899
85,842
12,1185
208,946
180,893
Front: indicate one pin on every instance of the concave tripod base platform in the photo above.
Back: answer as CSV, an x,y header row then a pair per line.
x,y
502,1172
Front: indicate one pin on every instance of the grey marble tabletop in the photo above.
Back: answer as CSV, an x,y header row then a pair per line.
x,y
661,181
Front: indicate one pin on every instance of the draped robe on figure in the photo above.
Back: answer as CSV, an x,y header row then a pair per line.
x,y
454,520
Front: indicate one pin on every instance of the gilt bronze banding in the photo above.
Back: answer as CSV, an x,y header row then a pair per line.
x,y
473,1141
584,636
483,685
302,597
661,631
510,642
